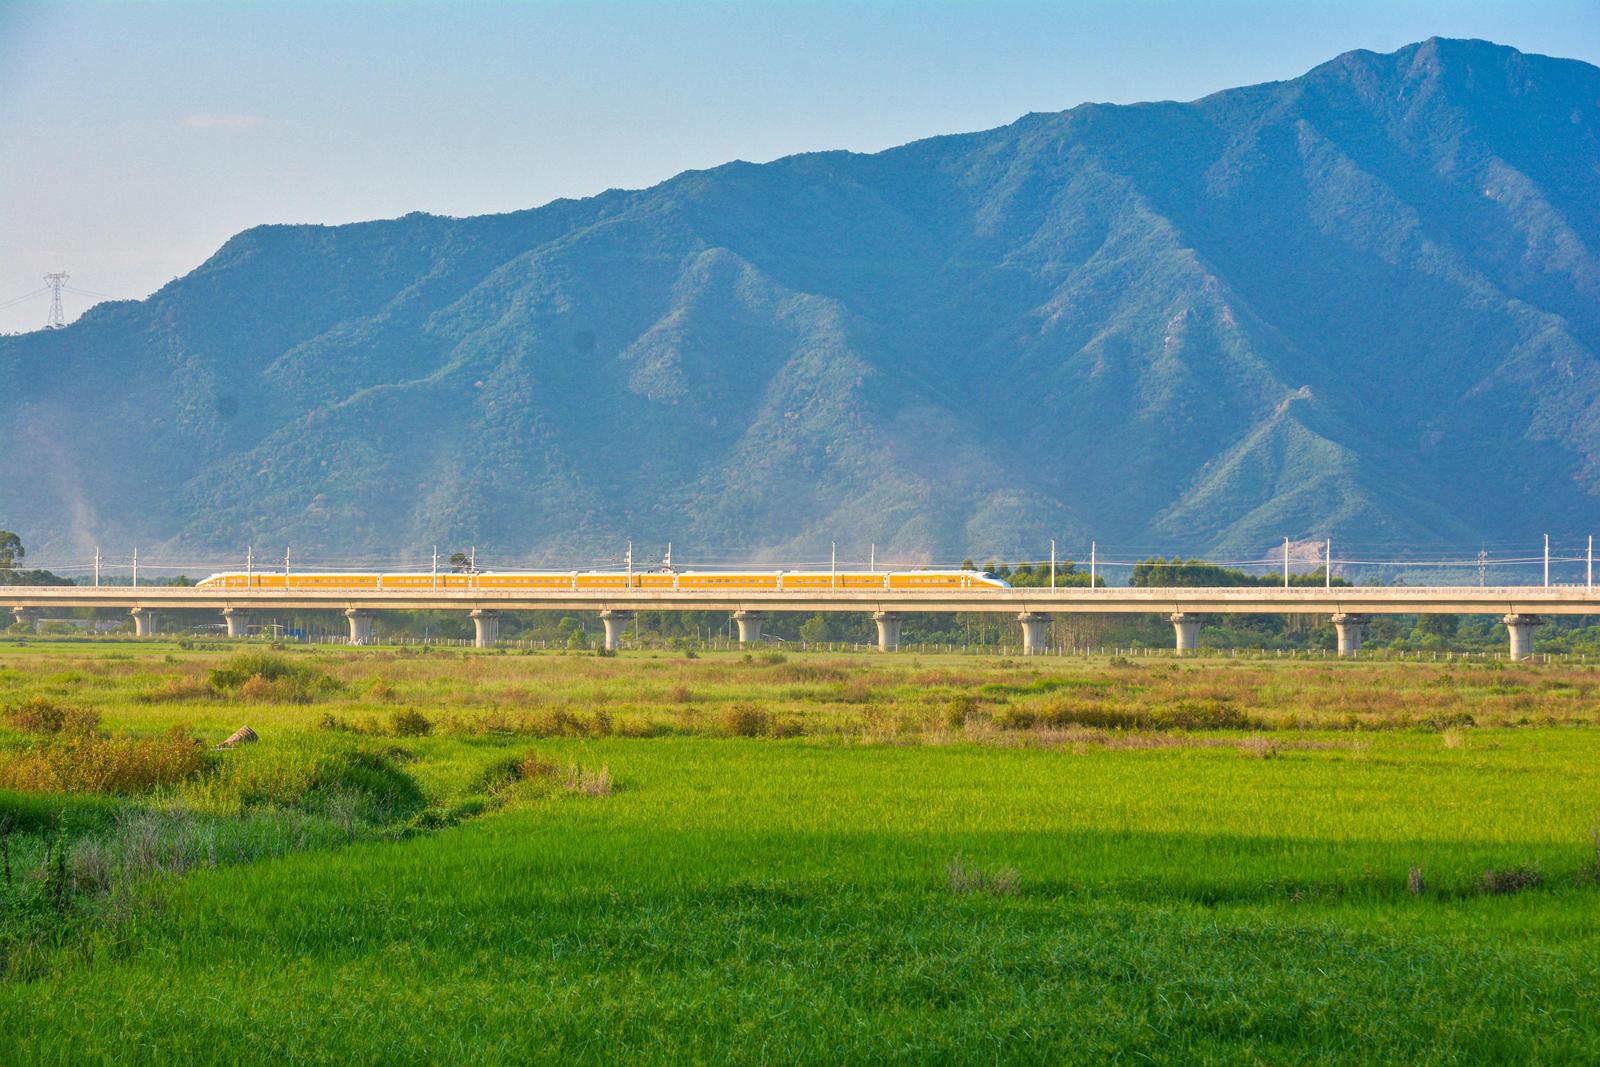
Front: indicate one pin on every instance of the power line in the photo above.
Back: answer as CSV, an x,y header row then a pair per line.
x,y
90,292
14,301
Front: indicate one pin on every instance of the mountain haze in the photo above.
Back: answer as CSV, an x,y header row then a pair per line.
x,y
1364,303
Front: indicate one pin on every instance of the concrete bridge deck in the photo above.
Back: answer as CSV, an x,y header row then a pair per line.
x,y
1519,606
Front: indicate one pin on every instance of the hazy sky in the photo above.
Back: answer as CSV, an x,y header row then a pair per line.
x,y
136,137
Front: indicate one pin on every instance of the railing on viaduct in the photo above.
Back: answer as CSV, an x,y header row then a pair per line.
x,y
1349,607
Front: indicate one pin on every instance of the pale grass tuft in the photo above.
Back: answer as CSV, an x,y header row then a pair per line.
x,y
1453,738
1511,879
964,879
1259,747
590,783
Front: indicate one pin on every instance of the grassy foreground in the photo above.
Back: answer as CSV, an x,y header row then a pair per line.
x,y
505,858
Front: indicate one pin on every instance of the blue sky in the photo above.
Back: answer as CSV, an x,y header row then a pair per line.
x,y
136,137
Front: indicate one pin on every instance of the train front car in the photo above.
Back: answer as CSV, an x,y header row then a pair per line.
x,y
981,578
931,581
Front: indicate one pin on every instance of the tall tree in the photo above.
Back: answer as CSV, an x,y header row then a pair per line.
x,y
11,550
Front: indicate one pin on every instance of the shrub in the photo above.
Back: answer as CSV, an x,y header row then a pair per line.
x,y
745,720
528,767
959,709
409,722
88,763
41,716
680,694
262,676
1205,715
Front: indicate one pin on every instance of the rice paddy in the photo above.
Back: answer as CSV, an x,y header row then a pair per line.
x,y
525,858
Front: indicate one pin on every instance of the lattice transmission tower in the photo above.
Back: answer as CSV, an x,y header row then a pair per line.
x,y
58,318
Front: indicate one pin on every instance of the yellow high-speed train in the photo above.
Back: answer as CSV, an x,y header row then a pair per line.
x,y
579,581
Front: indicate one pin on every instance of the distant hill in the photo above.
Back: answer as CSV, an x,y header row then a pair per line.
x,y
1364,303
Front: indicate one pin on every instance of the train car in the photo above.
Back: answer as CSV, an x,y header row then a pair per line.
x,y
936,580
810,581
714,582
539,580
293,580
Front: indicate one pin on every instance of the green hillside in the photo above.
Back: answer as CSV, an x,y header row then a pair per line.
x,y
1363,304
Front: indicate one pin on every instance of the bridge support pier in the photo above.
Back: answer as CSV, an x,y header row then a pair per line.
x,y
749,626
1521,628
360,625
1186,628
28,617
1350,629
237,620
1035,632
614,621
485,628
144,622
888,629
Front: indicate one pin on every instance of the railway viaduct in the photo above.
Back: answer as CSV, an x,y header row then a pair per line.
x,y
1349,607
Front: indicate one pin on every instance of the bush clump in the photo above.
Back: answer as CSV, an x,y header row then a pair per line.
x,y
265,677
40,716
959,709
89,763
745,720
409,722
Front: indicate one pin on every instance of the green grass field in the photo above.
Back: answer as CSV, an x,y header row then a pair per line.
x,y
503,858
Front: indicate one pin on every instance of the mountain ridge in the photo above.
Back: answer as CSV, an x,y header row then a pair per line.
x,y
1358,304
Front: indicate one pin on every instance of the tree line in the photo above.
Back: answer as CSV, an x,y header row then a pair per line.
x,y
11,554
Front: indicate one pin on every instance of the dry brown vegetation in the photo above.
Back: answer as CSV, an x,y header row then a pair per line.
x,y
870,698
38,715
890,698
85,762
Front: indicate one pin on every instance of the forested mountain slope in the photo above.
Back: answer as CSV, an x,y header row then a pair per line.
x,y
1364,303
